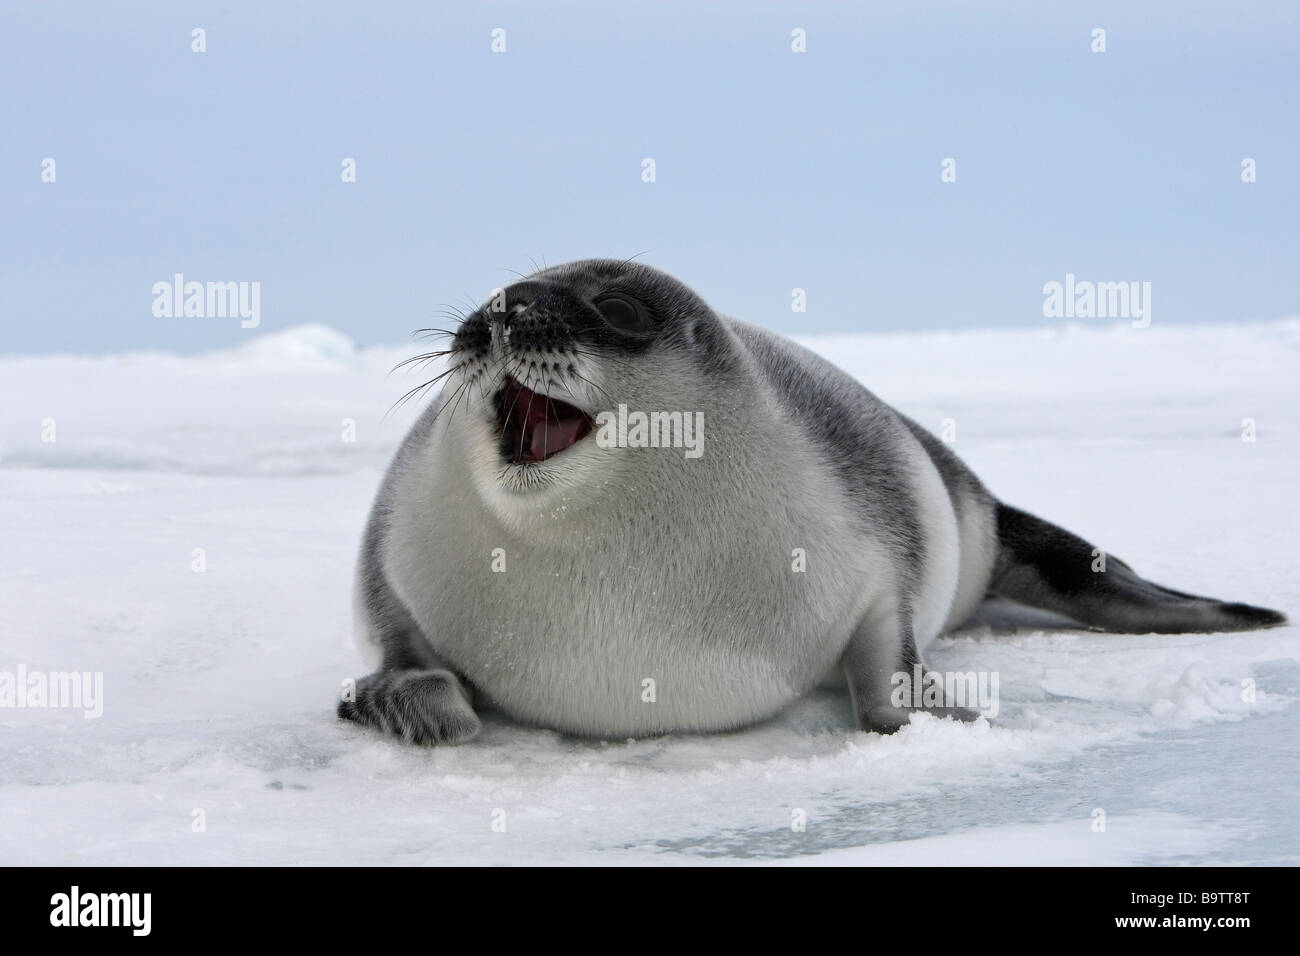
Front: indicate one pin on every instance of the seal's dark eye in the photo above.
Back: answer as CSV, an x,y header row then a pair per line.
x,y
624,313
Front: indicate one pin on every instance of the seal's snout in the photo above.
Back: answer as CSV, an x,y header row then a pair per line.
x,y
503,320
535,426
535,325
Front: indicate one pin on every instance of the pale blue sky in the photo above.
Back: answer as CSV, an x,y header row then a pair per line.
x,y
774,169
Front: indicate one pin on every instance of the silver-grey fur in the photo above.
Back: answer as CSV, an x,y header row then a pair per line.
x,y
625,566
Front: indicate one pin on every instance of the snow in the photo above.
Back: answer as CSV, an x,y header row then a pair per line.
x,y
219,685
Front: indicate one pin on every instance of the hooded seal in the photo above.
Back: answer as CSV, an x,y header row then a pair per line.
x,y
627,515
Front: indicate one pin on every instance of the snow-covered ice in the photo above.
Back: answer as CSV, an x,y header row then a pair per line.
x,y
219,686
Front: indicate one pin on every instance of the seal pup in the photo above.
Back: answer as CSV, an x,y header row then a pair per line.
x,y
515,560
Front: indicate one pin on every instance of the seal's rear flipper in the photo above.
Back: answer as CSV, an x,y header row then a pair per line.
x,y
1047,567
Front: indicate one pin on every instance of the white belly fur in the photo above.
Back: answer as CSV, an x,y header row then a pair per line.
x,y
570,634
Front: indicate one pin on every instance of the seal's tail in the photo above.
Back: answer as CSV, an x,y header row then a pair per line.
x,y
1047,567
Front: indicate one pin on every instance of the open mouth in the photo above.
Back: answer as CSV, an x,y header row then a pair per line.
x,y
535,426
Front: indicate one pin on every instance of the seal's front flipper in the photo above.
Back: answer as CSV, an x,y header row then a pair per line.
x,y
420,706
882,666
1047,567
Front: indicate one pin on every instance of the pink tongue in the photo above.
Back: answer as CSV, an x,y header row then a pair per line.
x,y
547,437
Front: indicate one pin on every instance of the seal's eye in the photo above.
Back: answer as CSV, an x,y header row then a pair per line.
x,y
624,313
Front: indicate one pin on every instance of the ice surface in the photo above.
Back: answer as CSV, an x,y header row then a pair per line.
x,y
219,686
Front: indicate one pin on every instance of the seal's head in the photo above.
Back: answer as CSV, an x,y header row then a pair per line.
x,y
534,367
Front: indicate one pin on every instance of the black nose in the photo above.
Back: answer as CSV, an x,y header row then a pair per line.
x,y
519,304
536,316
502,319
